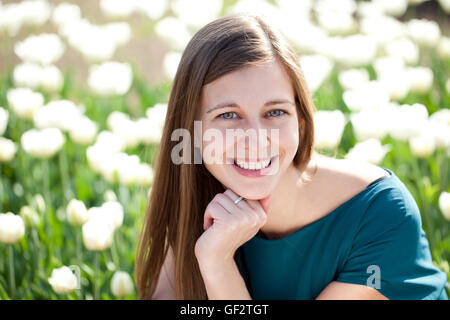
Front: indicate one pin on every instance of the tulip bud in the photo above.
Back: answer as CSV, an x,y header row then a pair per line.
x,y
12,228
121,284
76,212
444,204
97,234
29,216
63,280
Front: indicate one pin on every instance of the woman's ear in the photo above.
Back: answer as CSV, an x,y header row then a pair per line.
x,y
301,122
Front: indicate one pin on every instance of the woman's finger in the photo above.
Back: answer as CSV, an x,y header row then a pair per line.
x,y
233,196
214,210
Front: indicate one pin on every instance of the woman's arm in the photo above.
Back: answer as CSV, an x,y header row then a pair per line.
x,y
223,280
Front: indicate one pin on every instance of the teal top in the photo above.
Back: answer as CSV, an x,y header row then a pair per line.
x,y
375,239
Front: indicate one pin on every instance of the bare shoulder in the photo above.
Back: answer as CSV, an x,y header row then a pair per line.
x,y
355,171
349,176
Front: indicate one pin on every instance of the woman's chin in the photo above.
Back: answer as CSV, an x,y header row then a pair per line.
x,y
252,194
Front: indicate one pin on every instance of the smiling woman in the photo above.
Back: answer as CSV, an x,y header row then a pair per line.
x,y
307,226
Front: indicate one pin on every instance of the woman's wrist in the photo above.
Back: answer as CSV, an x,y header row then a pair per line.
x,y
213,267
223,280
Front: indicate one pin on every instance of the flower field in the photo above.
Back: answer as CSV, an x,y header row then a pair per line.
x,y
83,97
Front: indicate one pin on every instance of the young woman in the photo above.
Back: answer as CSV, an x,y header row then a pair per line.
x,y
288,223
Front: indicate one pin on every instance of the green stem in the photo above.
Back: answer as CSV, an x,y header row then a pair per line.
x,y
79,252
63,173
422,199
1,187
96,275
46,173
114,253
36,249
12,280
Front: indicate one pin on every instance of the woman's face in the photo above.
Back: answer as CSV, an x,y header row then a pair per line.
x,y
252,99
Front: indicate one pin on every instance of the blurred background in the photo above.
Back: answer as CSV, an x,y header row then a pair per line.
x,y
84,87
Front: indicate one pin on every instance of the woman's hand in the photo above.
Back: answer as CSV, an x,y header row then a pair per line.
x,y
227,226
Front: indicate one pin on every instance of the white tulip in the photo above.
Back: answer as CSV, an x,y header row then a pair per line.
x,y
38,203
403,48
83,130
60,114
352,78
14,15
4,115
370,95
157,113
369,150
65,12
30,216
63,280
110,78
356,50
121,284
424,32
174,32
149,131
144,175
388,65
370,124
127,130
110,213
44,48
119,32
76,212
347,6
423,145
117,8
42,143
408,121
170,63
382,29
444,47
397,84
152,9
52,79
24,102
110,142
27,74
394,8
444,204
7,149
12,228
115,210
187,11
328,128
316,68
420,79
109,195
445,4
336,23
97,234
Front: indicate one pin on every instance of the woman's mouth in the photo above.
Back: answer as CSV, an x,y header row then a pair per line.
x,y
254,168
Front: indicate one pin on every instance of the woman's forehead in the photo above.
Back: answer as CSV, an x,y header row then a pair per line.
x,y
249,85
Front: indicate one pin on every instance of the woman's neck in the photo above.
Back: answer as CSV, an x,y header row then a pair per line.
x,y
286,208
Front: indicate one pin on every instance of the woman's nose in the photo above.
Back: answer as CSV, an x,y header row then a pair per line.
x,y
255,138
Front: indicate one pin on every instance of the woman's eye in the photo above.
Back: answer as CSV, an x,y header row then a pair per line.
x,y
232,115
276,113
227,115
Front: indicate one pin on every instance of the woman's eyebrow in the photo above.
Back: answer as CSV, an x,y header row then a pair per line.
x,y
233,104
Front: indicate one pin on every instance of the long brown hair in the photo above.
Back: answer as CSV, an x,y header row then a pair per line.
x,y
181,193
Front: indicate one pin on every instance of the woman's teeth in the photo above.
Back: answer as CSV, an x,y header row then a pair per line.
x,y
252,165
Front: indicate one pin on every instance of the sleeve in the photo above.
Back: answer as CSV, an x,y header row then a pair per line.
x,y
390,251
